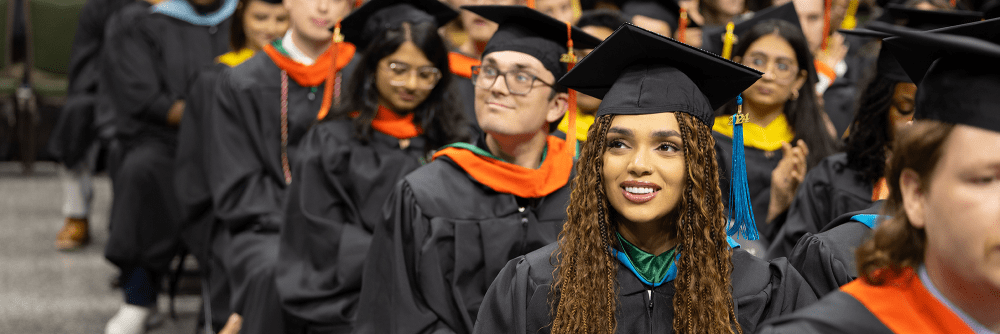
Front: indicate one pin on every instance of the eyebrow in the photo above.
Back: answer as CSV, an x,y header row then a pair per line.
x,y
656,134
620,131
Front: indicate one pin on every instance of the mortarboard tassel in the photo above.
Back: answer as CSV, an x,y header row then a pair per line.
x,y
728,40
740,211
570,59
850,19
682,25
328,86
826,24
358,3
530,4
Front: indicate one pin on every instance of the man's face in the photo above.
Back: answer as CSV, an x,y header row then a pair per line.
x,y
561,10
586,103
499,107
811,18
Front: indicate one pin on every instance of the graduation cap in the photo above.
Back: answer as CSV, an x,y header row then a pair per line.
x,y
637,72
375,16
927,19
526,30
715,40
956,71
272,1
664,10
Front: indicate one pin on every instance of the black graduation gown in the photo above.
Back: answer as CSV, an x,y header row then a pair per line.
x,y
333,207
759,164
444,238
829,190
191,183
837,312
467,91
826,259
152,66
247,182
518,301
75,132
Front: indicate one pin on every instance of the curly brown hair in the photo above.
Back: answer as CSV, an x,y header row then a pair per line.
x,y
896,244
703,301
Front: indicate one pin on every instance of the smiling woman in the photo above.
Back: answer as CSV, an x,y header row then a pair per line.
x,y
644,247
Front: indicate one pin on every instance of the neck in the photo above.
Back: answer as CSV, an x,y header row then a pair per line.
x,y
978,299
652,238
522,150
473,48
311,48
763,115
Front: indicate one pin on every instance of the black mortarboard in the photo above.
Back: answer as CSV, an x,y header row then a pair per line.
x,y
526,30
664,10
955,70
272,1
636,71
714,38
886,63
926,19
375,16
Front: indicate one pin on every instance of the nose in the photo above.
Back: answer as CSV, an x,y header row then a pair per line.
x,y
323,5
639,164
411,81
495,88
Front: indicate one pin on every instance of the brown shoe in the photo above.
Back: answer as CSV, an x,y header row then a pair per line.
x,y
73,235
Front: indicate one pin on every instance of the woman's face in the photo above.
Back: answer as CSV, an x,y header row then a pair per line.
x,y
960,210
644,174
772,55
264,22
728,7
901,109
405,78
312,19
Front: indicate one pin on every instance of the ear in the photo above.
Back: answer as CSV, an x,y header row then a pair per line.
x,y
737,59
799,80
913,197
557,108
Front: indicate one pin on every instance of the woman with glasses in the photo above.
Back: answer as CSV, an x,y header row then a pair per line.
x,y
786,134
398,108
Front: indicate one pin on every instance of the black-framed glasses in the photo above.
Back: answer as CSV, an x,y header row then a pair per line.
x,y
784,69
518,82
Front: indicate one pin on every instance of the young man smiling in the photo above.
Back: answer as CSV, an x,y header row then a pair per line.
x,y
262,109
452,224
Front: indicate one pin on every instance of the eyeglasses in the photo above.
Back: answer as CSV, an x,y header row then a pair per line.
x,y
518,82
784,69
401,73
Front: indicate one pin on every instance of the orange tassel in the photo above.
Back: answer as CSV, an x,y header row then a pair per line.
x,y
324,109
531,4
570,59
682,25
826,24
358,3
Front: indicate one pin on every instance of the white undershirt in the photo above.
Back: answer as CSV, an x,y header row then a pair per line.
x,y
293,51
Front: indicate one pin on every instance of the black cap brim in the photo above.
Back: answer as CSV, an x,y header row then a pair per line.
x,y
923,48
714,38
374,16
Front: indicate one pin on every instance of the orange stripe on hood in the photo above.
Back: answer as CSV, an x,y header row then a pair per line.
x,y
461,65
512,179
904,305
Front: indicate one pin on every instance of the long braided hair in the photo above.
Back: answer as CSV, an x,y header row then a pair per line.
x,y
703,301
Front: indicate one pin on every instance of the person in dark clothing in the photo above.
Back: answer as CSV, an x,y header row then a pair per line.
x,y
449,226
260,112
644,248
74,141
151,69
399,109
255,23
932,266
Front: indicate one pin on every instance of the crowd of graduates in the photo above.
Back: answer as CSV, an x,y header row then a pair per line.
x,y
553,166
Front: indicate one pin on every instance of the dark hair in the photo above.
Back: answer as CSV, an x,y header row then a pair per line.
x,y
869,139
440,116
237,36
601,18
803,113
897,244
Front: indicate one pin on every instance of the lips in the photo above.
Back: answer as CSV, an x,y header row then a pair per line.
x,y
639,192
321,23
498,105
479,22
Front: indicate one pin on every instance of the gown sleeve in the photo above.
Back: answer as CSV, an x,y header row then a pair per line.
x,y
765,290
506,302
809,209
393,298
243,193
837,313
322,251
141,92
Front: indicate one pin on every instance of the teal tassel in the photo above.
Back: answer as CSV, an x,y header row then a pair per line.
x,y
740,210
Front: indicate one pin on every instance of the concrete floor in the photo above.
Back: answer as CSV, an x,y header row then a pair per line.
x,y
46,291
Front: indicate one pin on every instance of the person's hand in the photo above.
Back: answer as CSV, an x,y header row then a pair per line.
x,y
691,6
176,113
835,51
233,324
785,178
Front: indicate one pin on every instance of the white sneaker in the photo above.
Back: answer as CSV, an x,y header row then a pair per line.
x,y
132,319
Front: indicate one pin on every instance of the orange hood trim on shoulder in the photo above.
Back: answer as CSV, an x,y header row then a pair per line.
x,y
905,306
461,65
512,179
